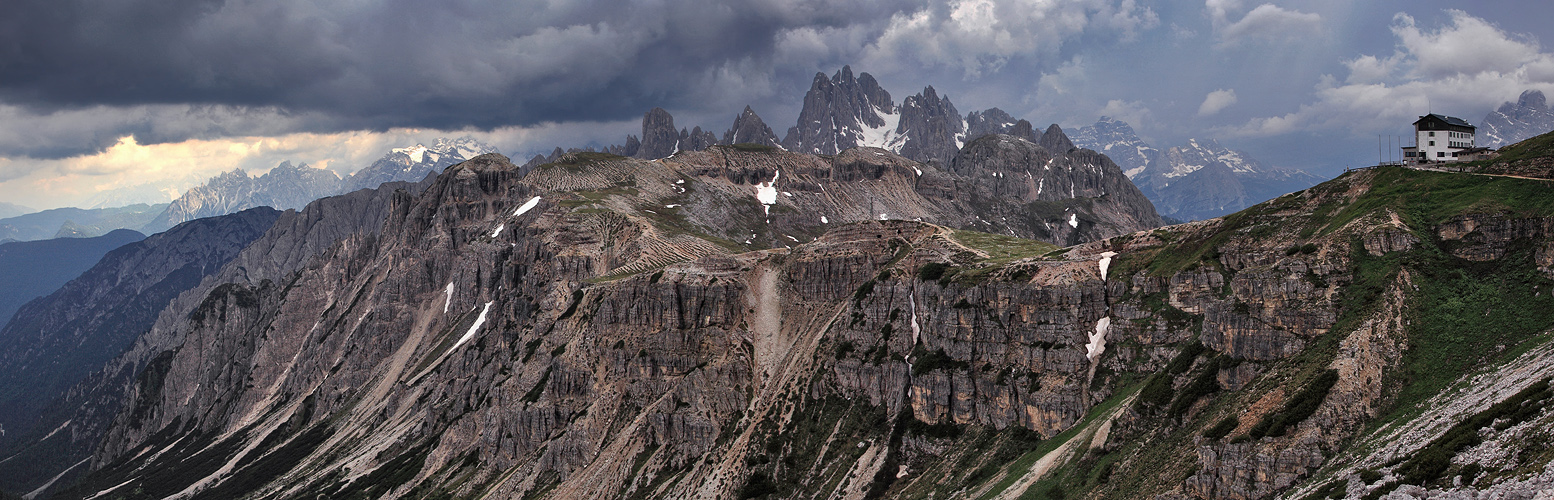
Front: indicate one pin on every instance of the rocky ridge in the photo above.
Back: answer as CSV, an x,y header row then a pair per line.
x,y
588,329
285,186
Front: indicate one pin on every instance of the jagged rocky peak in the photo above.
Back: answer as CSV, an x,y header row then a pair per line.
x,y
838,111
632,146
286,186
749,129
1198,153
1054,140
1024,130
1515,122
413,163
988,121
696,139
659,138
1118,141
930,129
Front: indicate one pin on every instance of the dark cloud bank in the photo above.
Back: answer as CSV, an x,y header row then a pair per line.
x,y
397,63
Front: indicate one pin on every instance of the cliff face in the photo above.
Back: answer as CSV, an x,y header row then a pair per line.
x,y
150,271
592,329
138,299
1079,193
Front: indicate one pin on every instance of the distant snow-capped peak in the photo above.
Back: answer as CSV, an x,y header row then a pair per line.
x,y
457,150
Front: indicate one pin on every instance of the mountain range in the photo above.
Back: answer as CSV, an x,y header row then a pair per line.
x,y
70,222
1198,180
290,186
56,341
713,317
728,323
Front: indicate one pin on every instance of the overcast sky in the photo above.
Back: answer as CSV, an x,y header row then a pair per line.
x,y
99,96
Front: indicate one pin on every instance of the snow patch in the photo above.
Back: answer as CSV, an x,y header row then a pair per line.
x,y
416,153
1097,343
449,301
766,193
912,301
1073,220
918,170
472,328
527,206
499,228
672,205
823,220
883,136
1106,262
883,217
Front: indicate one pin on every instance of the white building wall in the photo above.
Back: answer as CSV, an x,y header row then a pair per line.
x,y
1445,143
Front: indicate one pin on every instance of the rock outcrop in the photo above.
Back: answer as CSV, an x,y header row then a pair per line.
x,y
659,138
1075,191
930,127
749,129
987,122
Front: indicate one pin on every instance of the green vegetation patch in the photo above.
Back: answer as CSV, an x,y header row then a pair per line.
x,y
1426,199
928,361
1002,249
1468,313
1018,467
1222,428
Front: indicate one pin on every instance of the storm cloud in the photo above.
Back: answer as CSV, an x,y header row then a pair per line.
x,y
244,67
397,63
